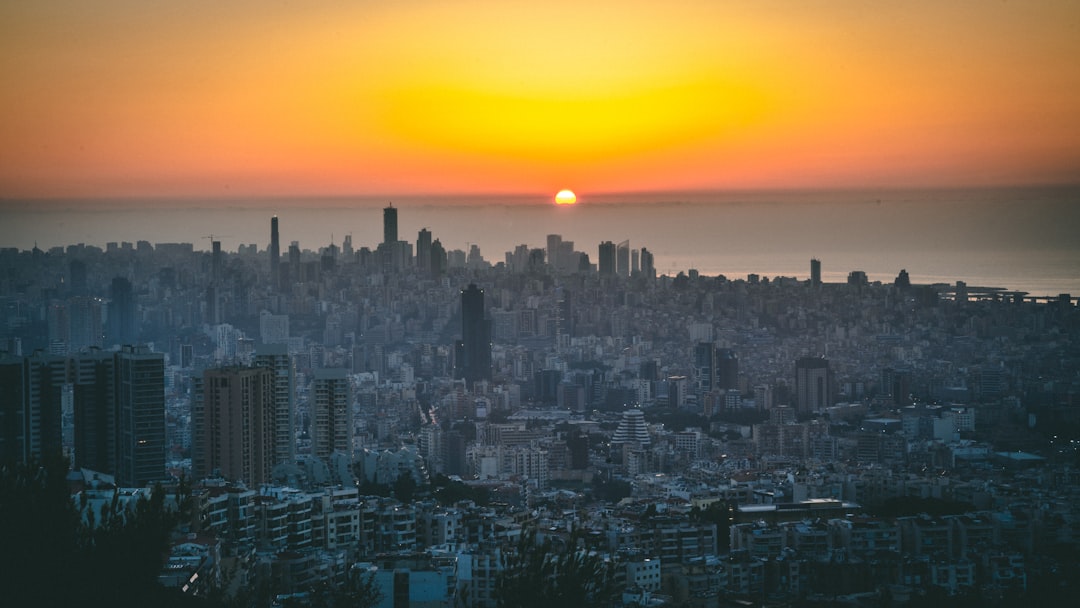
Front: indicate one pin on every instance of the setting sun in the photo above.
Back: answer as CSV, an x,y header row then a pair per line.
x,y
565,197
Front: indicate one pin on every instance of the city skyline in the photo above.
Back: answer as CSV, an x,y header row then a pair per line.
x,y
243,100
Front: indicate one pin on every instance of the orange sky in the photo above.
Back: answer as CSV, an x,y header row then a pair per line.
x,y
136,98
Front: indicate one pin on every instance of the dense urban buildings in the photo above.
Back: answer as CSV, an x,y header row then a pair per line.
x,y
413,414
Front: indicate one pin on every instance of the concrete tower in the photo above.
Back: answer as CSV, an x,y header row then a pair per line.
x,y
275,254
474,349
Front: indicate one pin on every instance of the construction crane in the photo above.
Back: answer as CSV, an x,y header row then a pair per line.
x,y
215,237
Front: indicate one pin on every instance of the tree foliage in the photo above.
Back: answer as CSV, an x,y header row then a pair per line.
x,y
551,573
58,553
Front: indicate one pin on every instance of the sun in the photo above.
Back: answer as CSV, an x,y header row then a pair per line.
x,y
565,197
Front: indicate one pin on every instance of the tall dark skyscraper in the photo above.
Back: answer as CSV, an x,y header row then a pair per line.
x,y
389,224
648,264
815,272
622,259
140,396
95,411
812,392
727,369
473,352
42,413
122,325
275,254
705,366
423,250
607,258
217,261
438,258
77,283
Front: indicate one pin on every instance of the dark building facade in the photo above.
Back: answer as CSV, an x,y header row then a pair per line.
x,y
390,232
473,360
607,258
812,385
122,325
275,254
140,396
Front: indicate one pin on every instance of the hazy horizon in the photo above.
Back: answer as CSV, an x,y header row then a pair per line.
x,y
1017,238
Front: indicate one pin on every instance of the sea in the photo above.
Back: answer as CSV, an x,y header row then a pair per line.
x,y
1020,239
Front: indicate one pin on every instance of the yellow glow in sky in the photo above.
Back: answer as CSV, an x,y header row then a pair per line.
x,y
134,98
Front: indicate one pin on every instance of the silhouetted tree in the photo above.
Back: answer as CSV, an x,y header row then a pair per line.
x,y
542,575
56,552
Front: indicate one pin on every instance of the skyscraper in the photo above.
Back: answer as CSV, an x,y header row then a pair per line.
x,y
331,414
705,367
78,282
389,220
474,349
233,420
648,264
275,357
727,369
622,259
423,250
438,258
812,392
275,254
42,423
294,264
140,396
607,258
94,405
216,262
122,327
554,247
84,313
815,272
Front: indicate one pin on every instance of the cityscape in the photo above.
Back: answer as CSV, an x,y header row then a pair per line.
x,y
407,416
505,304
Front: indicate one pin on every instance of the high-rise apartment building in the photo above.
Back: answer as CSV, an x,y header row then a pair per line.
x,y
331,413
94,405
140,424
275,357
44,383
233,419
